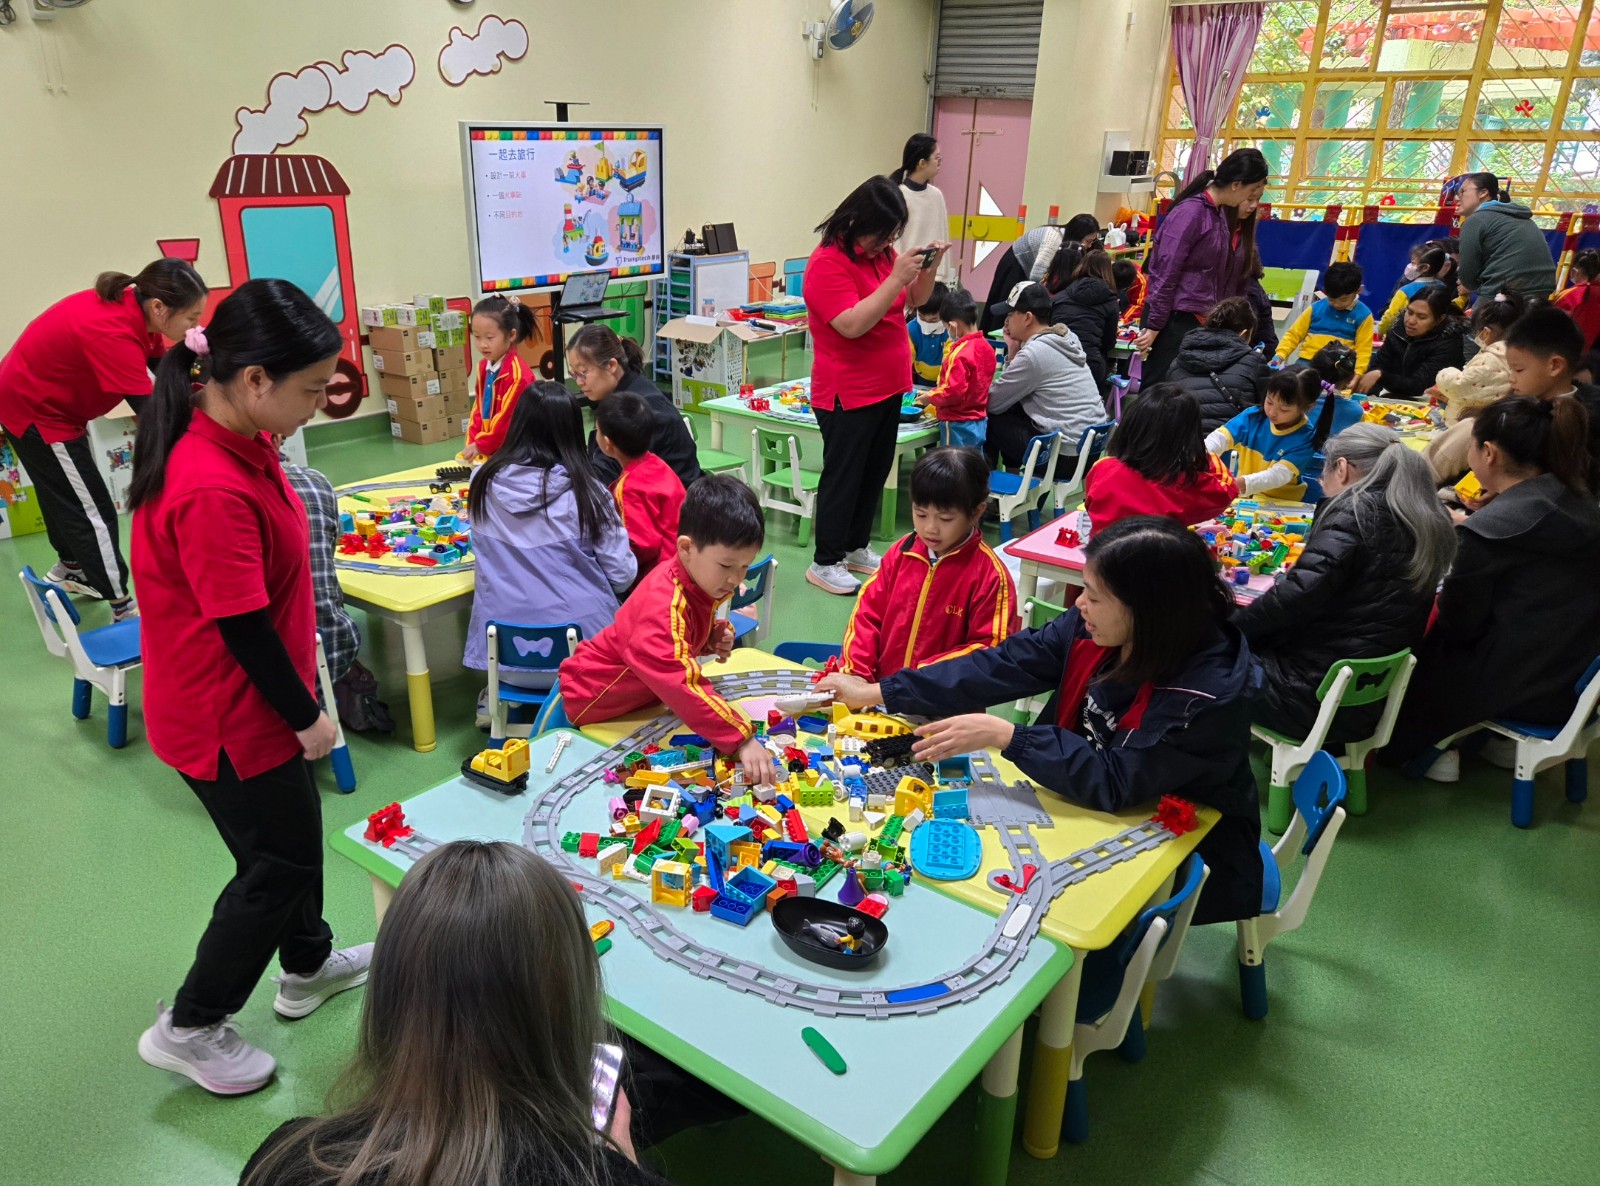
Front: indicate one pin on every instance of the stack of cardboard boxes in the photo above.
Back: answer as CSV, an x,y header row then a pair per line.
x,y
419,353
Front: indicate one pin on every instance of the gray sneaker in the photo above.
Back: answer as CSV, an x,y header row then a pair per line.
x,y
299,995
833,578
71,578
214,1056
1446,767
863,560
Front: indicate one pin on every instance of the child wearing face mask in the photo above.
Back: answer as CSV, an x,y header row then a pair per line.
x,y
928,337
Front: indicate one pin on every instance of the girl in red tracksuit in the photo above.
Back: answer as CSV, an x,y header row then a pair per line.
x,y
498,325
940,592
1157,464
961,398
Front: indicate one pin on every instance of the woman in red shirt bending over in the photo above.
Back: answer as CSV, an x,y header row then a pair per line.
x,y
230,660
1156,464
856,292
75,362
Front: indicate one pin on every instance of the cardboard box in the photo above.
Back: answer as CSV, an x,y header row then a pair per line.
x,y
432,302
707,357
427,339
377,315
452,381
405,315
402,386
417,408
457,403
393,337
427,432
402,362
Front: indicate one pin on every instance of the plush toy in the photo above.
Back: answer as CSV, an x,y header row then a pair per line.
x,y
1477,385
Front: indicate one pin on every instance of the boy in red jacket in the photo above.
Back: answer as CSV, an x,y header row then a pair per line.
x,y
940,591
1156,464
961,398
651,652
649,495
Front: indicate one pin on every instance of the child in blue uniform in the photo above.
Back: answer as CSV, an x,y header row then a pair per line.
x,y
1338,317
928,338
1275,443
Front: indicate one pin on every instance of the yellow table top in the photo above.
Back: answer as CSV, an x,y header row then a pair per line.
x,y
400,591
1087,916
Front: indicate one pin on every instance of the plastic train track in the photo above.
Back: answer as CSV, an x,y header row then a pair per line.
x,y
1005,948
392,570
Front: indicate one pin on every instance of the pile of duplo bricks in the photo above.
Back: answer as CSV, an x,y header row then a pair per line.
x,y
419,354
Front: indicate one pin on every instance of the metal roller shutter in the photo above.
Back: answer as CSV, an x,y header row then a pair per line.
x,y
988,48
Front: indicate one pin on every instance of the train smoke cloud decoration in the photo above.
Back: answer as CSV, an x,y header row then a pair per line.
x,y
314,88
466,55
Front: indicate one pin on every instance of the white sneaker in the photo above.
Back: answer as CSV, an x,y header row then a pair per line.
x,y
863,560
299,995
1499,751
1446,767
214,1056
124,611
71,578
833,578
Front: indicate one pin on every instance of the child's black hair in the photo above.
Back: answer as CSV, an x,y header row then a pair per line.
x,y
513,317
1123,273
1586,262
1341,279
625,420
1547,332
932,306
948,479
546,430
1335,365
958,305
1160,436
719,509
1498,314
1300,387
1433,259
1550,434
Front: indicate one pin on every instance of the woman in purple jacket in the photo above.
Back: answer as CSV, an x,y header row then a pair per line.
x,y
1194,261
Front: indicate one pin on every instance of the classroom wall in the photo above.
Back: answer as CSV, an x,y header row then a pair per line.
x,y
118,116
1096,73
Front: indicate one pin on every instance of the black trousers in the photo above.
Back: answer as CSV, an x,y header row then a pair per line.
x,y
80,519
1164,351
857,455
1009,434
272,824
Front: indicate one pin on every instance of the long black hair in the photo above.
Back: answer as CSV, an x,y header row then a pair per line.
x,y
1159,436
875,208
1551,435
546,430
1062,265
1242,166
918,149
171,281
1334,367
266,323
1165,576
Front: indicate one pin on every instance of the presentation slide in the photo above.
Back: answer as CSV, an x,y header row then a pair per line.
x,y
547,200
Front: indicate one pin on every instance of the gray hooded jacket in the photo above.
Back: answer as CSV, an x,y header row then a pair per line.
x,y
1049,375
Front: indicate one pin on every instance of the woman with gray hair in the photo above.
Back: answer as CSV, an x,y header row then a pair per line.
x,y
1362,588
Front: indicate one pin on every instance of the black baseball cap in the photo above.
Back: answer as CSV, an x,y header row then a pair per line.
x,y
1026,297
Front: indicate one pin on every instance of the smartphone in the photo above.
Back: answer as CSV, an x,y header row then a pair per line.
x,y
607,1073
928,254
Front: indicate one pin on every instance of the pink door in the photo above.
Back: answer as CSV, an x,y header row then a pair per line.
x,y
984,143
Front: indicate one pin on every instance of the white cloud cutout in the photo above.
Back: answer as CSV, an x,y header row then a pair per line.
x,y
467,55
291,97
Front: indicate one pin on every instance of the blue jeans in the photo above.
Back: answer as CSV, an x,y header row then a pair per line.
x,y
963,434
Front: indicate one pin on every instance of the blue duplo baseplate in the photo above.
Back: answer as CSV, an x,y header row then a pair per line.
x,y
946,850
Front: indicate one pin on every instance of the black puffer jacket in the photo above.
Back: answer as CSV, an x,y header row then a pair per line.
x,y
1090,309
1410,367
1348,597
1220,370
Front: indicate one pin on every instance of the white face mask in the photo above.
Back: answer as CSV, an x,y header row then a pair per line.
x,y
1411,271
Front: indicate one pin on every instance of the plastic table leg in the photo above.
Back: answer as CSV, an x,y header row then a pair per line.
x,y
843,1177
419,686
1028,586
382,895
997,1115
1052,1065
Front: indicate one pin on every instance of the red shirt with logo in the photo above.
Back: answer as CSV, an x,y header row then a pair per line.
x,y
916,610
852,373
226,535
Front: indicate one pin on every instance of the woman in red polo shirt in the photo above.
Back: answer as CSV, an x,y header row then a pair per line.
x,y
222,555
76,361
856,291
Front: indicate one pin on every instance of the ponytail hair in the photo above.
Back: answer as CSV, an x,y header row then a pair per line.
x,y
1063,267
513,317
1335,365
599,344
1551,435
171,281
266,323
918,149
1587,262
1499,314
1487,182
1233,314
1242,166
1405,480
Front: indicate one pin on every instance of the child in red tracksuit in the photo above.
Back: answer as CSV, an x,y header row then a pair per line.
x,y
961,397
940,591
1156,464
649,495
651,652
498,325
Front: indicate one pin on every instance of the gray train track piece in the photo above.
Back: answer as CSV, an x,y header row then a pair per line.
x,y
1005,947
993,801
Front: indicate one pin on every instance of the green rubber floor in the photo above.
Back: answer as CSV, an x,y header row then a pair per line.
x,y
1432,1022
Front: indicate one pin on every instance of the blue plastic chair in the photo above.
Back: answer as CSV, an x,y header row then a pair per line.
x,y
1030,485
552,713
757,591
541,648
1091,446
1319,813
100,658
1113,980
807,653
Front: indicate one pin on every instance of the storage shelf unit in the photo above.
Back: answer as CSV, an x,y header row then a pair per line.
x,y
690,282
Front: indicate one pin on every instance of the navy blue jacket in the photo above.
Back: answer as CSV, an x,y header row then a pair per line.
x,y
1192,741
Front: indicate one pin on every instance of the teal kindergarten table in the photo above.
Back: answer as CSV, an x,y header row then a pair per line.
x,y
731,422
903,1071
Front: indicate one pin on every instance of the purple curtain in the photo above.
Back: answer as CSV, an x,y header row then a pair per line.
x,y
1212,44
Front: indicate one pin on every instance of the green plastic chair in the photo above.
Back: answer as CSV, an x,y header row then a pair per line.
x,y
715,461
781,484
1035,613
1349,682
